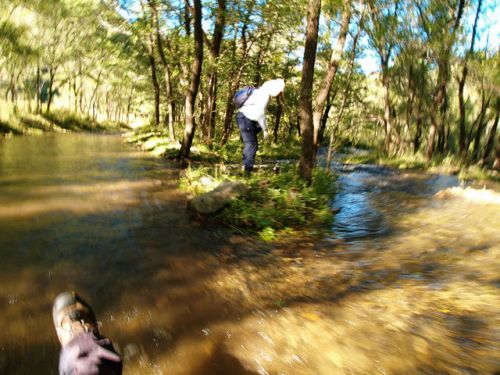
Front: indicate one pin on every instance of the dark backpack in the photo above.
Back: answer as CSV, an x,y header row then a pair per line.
x,y
242,95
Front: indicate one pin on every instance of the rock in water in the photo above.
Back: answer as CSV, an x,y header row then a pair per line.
x,y
215,200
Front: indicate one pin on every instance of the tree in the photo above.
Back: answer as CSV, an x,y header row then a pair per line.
x,y
383,37
326,85
446,16
491,137
305,102
196,67
166,67
215,47
461,84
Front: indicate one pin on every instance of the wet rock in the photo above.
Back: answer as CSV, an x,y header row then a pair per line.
x,y
215,200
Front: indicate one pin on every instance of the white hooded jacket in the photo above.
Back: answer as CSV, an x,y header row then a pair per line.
x,y
255,106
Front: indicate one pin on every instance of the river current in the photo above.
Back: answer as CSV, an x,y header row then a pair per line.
x,y
406,282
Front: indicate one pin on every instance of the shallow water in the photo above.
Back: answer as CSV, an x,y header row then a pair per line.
x,y
406,283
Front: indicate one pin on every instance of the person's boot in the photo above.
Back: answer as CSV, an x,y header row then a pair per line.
x,y
72,317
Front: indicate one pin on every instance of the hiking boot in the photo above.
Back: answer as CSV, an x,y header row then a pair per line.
x,y
72,317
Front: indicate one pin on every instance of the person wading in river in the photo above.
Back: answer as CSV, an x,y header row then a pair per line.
x,y
251,118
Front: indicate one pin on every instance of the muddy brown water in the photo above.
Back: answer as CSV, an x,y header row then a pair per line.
x,y
406,282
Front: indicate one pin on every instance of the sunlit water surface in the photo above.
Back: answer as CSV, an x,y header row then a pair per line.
x,y
407,282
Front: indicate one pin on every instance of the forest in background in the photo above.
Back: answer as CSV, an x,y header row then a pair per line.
x,y
176,66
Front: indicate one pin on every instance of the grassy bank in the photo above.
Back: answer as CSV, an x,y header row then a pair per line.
x,y
56,121
157,142
277,205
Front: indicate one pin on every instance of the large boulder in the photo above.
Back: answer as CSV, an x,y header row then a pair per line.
x,y
215,200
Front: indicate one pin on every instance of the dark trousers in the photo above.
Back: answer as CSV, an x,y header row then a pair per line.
x,y
87,354
248,131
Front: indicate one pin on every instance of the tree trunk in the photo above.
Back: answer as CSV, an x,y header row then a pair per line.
x,y
211,103
387,107
409,107
461,85
324,118
281,98
305,101
210,109
481,124
491,137
196,67
437,118
129,104
228,118
38,85
154,80
277,120
95,91
496,163
326,86
418,134
420,108
168,82
52,73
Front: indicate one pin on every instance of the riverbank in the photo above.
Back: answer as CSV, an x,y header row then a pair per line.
x,y
54,122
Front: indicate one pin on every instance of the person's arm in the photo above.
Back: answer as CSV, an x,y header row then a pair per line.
x,y
262,124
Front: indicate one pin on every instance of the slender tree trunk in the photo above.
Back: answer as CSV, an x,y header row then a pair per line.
x,y
166,67
496,163
418,133
443,128
387,107
324,118
437,114
38,85
94,93
461,85
228,118
481,124
326,86
193,87
491,137
305,101
52,74
277,120
211,109
154,80
279,111
420,108
211,103
409,106
129,104
437,103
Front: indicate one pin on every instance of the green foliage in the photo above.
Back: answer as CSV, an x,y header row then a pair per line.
x,y
275,204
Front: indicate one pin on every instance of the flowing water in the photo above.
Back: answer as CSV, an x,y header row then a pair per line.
x,y
407,281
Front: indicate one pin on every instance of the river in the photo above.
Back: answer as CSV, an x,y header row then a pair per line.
x,y
407,281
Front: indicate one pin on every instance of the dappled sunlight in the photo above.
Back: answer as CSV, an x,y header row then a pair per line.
x,y
78,199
